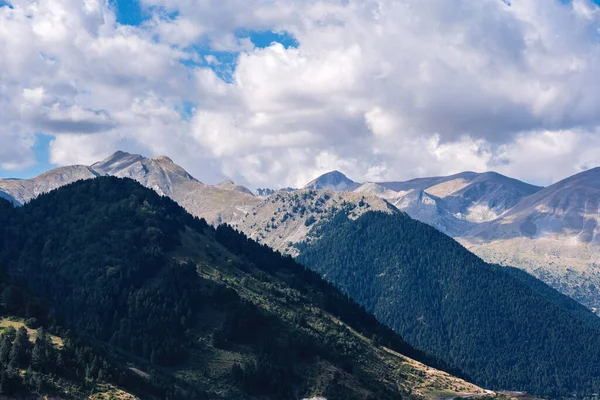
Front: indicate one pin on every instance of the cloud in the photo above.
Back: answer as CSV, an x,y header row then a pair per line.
x,y
381,89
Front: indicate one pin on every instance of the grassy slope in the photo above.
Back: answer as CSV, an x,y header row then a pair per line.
x,y
394,371
70,389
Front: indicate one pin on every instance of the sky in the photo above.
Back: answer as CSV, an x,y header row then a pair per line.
x,y
271,93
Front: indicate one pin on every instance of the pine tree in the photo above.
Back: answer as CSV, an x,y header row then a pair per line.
x,y
38,355
19,354
12,299
9,381
5,348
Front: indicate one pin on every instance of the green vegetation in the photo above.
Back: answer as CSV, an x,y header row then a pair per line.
x,y
36,360
189,311
503,328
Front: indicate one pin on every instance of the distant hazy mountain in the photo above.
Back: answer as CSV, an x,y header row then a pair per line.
x,y
376,189
486,197
21,191
333,180
229,185
467,196
224,202
567,208
266,192
553,234
454,204
426,183
432,210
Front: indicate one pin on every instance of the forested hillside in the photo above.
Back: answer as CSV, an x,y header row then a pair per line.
x,y
39,356
197,312
504,329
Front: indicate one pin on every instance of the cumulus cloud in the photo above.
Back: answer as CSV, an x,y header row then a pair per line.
x,y
380,89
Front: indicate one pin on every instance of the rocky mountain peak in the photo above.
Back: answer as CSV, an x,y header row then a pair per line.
x,y
163,159
228,184
116,162
334,180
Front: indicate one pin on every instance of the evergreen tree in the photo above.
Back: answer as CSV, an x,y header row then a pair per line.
x,y
19,354
6,346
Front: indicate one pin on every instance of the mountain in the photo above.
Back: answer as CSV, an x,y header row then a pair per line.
x,y
266,192
225,202
375,189
503,329
485,197
229,185
41,357
287,218
216,204
6,196
117,162
568,207
552,234
432,210
334,180
54,362
549,232
456,181
200,312
474,208
221,203
20,191
455,204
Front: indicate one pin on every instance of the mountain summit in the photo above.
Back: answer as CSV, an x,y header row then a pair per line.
x,y
333,180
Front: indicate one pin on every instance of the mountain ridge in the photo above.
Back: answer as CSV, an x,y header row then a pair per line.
x,y
214,203
471,207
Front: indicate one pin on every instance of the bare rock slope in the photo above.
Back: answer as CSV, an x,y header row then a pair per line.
x,y
221,203
20,191
287,218
216,204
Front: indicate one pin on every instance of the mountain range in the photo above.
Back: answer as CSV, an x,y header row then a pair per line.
x,y
218,203
104,242
548,232
118,292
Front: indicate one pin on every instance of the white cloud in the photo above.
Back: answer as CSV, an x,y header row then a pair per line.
x,y
548,156
380,89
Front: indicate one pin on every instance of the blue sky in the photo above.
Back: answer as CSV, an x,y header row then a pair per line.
x,y
130,12
42,156
374,91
